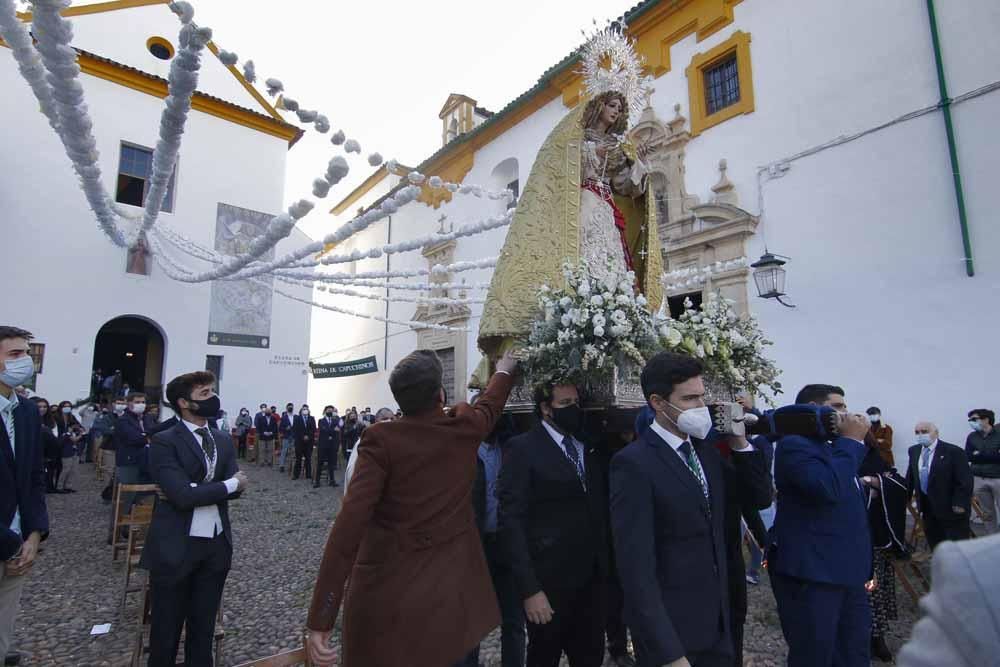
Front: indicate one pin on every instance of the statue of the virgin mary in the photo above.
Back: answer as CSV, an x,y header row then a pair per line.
x,y
586,200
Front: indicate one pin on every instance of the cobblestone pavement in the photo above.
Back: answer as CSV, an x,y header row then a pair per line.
x,y
280,526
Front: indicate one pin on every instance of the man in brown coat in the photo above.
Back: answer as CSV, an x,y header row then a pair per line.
x,y
420,590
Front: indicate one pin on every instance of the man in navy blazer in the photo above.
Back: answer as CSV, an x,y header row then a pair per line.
x,y
264,424
820,556
189,546
24,519
938,473
669,495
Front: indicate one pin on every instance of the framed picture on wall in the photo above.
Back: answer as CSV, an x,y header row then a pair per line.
x,y
37,353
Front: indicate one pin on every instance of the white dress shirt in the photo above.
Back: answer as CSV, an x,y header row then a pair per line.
x,y
558,437
206,521
7,406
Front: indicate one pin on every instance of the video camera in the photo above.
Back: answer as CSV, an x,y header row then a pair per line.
x,y
809,421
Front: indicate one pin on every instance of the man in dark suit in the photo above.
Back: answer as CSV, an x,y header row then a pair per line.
x,y
820,557
304,432
286,434
264,425
672,496
131,458
189,547
329,445
939,474
24,519
553,525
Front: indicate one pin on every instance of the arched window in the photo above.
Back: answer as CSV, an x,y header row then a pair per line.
x,y
452,129
505,175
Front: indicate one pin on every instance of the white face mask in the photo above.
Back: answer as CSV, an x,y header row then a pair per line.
x,y
874,418
66,410
305,413
138,408
696,422
924,439
17,371
119,408
975,425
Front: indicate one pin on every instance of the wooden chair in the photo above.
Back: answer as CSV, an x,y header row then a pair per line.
x,y
917,533
252,446
140,518
978,509
122,520
284,659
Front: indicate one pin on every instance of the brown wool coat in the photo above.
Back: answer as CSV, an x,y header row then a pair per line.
x,y
420,593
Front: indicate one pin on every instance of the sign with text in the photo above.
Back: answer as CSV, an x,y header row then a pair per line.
x,y
345,369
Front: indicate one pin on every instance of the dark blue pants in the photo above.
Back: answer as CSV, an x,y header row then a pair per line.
x,y
824,625
512,629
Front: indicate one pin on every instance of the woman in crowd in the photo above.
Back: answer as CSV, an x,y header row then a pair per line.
x,y
70,434
243,425
51,449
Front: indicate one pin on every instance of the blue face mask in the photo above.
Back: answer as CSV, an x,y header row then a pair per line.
x,y
924,439
17,371
976,425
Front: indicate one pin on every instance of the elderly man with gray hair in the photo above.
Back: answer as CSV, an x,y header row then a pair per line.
x,y
940,476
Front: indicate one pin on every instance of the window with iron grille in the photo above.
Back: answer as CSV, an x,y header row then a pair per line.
x,y
722,85
135,166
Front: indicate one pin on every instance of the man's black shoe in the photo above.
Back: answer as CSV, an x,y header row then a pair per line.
x,y
13,658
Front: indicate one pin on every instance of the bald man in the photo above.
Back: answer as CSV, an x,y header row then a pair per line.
x,y
940,476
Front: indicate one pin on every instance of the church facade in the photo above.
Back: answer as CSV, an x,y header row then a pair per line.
x,y
91,304
815,132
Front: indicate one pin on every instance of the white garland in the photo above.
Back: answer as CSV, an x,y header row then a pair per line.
x,y
60,96
182,82
695,277
434,300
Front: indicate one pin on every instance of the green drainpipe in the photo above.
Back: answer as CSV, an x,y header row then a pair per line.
x,y
963,221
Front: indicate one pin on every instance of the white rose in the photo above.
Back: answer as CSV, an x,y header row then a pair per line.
x,y
565,302
583,289
622,300
597,300
625,288
599,320
608,296
599,332
618,316
640,301
566,320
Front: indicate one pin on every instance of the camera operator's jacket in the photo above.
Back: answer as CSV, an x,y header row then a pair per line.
x,y
821,528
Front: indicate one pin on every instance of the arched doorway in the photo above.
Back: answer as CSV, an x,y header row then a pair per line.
x,y
135,346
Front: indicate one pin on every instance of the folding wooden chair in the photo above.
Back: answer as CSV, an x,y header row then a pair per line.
x,y
122,520
284,659
917,533
140,518
140,649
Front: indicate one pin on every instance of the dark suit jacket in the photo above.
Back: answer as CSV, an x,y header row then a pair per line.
x,y
420,591
304,429
264,425
329,435
820,530
671,547
285,425
554,533
176,460
130,441
22,479
948,485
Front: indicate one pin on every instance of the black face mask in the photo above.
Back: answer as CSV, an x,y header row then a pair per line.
x,y
209,408
569,418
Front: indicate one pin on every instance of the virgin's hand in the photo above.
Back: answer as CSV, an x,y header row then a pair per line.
x,y
321,654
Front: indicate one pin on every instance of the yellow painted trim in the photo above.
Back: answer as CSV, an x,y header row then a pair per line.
x,y
135,80
162,41
100,8
360,191
261,100
738,44
656,31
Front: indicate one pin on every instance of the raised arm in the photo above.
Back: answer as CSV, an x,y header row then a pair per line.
x,y
175,483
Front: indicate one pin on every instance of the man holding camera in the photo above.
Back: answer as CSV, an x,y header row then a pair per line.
x,y
821,554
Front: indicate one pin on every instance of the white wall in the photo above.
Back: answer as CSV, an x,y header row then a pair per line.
x,y
70,279
884,305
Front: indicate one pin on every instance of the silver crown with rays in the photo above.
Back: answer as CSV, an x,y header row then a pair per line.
x,y
610,45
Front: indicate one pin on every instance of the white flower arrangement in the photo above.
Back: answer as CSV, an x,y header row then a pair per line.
x,y
731,347
587,328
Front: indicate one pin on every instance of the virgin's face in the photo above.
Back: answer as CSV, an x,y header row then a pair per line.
x,y
611,111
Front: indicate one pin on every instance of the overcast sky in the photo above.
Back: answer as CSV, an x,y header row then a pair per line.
x,y
381,70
